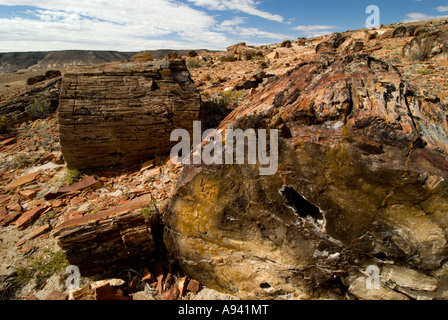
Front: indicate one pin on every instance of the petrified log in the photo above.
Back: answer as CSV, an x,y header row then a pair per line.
x,y
361,181
123,114
16,109
108,239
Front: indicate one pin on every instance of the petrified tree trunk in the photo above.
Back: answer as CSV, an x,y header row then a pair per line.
x,y
108,239
361,181
123,114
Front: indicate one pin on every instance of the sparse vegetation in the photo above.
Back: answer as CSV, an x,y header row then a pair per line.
x,y
219,106
66,177
46,218
23,160
42,266
425,71
150,210
41,108
4,124
193,63
226,98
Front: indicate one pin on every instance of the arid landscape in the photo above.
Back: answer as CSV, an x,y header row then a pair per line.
x,y
87,179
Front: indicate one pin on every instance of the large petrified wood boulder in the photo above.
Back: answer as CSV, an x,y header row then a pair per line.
x,y
361,182
124,113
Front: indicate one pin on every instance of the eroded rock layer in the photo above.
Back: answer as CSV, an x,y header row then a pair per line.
x,y
361,182
109,238
122,114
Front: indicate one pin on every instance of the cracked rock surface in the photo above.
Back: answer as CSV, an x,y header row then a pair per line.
x,y
361,182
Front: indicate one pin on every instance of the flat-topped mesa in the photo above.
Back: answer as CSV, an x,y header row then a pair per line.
x,y
124,113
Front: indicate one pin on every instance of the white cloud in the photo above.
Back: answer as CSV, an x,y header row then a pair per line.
x,y
246,6
315,30
125,26
417,16
442,8
234,22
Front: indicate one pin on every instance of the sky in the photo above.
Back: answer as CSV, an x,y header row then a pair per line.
x,y
137,25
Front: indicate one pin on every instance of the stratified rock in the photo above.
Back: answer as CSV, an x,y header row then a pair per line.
x,y
361,181
108,239
123,114
15,109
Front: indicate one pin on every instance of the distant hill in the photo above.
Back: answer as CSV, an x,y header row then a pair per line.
x,y
32,61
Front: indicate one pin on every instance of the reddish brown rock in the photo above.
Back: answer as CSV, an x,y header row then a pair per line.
x,y
114,237
28,194
21,181
121,114
182,286
86,183
40,231
171,294
56,295
361,181
28,217
193,286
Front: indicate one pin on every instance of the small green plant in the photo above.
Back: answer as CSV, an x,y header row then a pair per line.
x,y
66,177
150,210
193,63
425,71
226,98
46,265
46,218
40,108
4,124
72,175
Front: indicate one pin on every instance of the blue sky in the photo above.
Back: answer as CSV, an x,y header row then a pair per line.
x,y
135,25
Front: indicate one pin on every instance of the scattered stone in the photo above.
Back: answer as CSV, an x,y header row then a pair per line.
x,y
171,294
28,194
147,165
273,55
286,44
209,294
10,218
40,231
408,278
86,183
142,295
112,282
56,295
22,181
192,54
193,286
27,218
359,289
399,32
182,286
172,56
358,46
